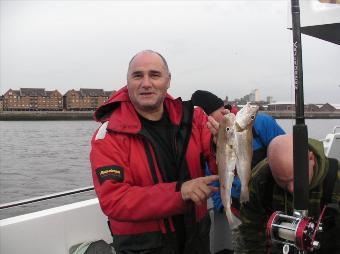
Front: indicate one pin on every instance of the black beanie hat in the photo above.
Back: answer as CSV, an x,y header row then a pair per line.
x,y
208,101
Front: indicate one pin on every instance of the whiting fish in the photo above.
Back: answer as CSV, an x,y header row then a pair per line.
x,y
234,148
226,161
243,146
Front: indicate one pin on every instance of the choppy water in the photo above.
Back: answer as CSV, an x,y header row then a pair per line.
x,y
43,157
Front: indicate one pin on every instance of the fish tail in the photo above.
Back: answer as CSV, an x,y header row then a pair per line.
x,y
233,221
244,196
229,215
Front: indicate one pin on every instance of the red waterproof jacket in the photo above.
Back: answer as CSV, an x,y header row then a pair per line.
x,y
122,176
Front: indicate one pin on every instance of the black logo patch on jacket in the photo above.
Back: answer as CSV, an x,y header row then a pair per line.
x,y
110,173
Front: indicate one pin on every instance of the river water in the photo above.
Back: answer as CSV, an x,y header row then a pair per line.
x,y
43,157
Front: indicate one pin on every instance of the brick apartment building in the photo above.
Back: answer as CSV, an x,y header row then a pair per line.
x,y
32,99
85,99
1,103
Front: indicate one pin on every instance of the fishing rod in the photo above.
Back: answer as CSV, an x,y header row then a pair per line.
x,y
300,132
299,230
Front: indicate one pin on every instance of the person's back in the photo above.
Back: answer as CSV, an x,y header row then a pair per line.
x,y
265,128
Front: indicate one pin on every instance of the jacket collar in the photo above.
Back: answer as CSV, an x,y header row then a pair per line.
x,y
123,117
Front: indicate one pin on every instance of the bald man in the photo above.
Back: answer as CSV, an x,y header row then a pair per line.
x,y
146,164
282,166
271,189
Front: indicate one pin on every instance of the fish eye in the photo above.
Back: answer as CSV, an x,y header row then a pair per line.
x,y
252,117
227,129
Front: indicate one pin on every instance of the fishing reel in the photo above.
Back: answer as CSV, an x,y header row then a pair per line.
x,y
297,231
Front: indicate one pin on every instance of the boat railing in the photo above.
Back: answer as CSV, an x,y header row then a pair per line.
x,y
327,138
334,129
45,197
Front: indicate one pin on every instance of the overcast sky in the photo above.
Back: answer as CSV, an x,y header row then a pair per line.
x,y
227,47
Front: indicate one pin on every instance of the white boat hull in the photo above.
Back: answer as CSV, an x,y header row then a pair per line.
x,y
54,230
332,144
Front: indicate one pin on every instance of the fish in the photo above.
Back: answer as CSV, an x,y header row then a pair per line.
x,y
243,146
226,161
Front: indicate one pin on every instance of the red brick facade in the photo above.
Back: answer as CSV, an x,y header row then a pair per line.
x,y
85,99
32,99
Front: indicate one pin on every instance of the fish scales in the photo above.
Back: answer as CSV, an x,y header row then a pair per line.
x,y
243,163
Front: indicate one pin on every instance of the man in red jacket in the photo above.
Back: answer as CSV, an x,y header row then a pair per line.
x,y
147,167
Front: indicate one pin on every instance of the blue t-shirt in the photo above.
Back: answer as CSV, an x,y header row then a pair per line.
x,y
265,128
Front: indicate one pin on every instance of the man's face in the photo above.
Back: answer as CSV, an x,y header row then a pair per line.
x,y
148,81
218,114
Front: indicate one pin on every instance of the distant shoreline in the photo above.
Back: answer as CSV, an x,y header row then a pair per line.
x,y
88,115
308,115
45,115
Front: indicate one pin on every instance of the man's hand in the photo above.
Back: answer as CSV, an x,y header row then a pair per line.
x,y
213,125
198,190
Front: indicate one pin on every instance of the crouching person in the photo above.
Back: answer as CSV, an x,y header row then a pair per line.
x,y
271,188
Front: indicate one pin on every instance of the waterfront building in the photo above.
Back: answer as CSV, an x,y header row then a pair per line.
x,y
251,97
32,99
254,96
290,106
269,99
246,98
1,103
311,108
327,108
336,106
85,99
